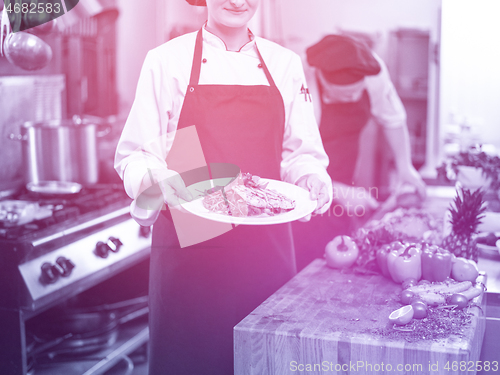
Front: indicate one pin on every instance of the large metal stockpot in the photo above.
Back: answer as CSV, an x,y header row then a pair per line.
x,y
61,150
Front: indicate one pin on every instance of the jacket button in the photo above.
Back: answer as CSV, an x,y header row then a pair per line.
x,y
260,65
191,89
204,61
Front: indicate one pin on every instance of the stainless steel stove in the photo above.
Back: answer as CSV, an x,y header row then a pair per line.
x,y
53,248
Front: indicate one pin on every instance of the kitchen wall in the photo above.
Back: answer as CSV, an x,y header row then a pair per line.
x,y
144,25
305,22
136,35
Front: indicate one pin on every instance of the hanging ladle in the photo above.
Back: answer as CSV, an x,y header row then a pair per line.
x,y
27,51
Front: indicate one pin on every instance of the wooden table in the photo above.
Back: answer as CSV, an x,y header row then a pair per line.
x,y
321,317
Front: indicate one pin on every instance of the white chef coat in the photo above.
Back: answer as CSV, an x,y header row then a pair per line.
x,y
148,133
385,105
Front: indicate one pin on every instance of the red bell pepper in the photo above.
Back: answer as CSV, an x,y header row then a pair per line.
x,y
404,262
436,263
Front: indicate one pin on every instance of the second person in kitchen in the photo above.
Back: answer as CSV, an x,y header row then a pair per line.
x,y
353,88
248,101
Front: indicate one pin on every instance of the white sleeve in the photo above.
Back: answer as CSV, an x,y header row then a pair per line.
x,y
386,106
303,151
144,143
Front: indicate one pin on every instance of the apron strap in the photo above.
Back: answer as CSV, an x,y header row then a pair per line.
x,y
264,66
196,67
198,54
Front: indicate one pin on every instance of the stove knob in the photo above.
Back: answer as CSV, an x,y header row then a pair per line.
x,y
114,244
65,266
144,231
49,274
102,249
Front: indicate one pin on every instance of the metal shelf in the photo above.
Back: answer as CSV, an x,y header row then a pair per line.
x,y
131,337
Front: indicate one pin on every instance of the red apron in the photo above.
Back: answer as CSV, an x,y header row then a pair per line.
x,y
199,293
340,128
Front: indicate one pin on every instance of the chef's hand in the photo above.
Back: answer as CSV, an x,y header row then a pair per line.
x,y
410,176
172,187
318,190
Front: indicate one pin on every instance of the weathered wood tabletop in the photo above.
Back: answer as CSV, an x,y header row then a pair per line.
x,y
318,323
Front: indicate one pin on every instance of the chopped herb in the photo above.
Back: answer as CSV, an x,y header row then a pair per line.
x,y
439,324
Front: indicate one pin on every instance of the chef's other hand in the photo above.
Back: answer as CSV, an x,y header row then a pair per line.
x,y
410,176
318,190
172,187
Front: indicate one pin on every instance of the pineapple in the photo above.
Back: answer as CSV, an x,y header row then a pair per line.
x,y
466,214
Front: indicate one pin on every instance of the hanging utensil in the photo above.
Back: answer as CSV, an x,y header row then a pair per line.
x,y
5,28
27,51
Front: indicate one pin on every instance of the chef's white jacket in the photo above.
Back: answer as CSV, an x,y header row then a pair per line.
x,y
148,133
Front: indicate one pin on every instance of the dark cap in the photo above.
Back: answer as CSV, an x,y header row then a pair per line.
x,y
342,59
201,3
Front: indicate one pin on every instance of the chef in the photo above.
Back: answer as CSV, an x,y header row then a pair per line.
x,y
243,95
353,87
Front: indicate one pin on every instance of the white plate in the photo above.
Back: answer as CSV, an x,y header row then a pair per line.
x,y
303,204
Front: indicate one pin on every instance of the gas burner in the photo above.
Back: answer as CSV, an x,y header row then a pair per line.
x,y
88,199
19,212
29,212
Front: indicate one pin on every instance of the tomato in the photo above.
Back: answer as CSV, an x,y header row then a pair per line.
x,y
419,309
417,299
459,300
341,252
406,297
409,283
